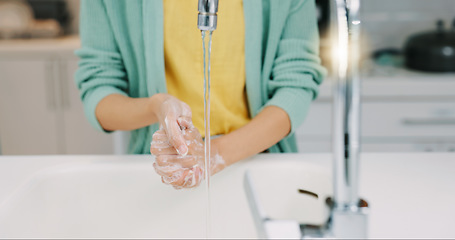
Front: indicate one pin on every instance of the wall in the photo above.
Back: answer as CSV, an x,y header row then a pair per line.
x,y
388,23
73,7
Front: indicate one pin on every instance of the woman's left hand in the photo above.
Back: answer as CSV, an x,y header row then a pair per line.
x,y
183,171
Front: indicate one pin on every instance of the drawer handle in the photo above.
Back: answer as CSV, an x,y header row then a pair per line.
x,y
50,86
64,94
429,121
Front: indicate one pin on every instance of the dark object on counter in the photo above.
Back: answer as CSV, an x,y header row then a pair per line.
x,y
432,51
386,51
51,9
388,57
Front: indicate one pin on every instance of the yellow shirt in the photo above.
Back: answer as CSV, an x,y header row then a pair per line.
x,y
184,63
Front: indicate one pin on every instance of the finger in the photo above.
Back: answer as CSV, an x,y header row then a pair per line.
x,y
167,160
185,179
174,180
160,144
197,175
175,136
166,171
192,133
160,136
182,178
185,122
193,138
188,161
177,179
160,149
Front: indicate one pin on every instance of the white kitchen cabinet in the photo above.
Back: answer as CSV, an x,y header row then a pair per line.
x,y
389,119
40,108
28,119
80,137
396,116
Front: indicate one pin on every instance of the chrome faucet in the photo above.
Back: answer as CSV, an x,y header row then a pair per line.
x,y
349,214
207,17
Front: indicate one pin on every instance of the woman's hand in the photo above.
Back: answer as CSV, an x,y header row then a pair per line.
x,y
186,171
173,114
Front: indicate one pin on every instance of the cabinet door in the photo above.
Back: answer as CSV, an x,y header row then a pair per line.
x,y
386,126
27,108
79,137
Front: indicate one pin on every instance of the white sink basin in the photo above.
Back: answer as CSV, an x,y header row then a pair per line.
x,y
276,186
411,196
279,199
110,199
123,197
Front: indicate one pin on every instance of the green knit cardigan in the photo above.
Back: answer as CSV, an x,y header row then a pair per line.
x,y
122,53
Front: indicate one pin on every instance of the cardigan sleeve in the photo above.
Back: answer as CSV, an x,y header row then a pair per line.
x,y
101,71
297,72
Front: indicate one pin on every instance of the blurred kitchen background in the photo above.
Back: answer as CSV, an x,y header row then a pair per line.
x,y
406,108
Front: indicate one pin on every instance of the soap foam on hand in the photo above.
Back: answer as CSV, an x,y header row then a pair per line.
x,y
183,171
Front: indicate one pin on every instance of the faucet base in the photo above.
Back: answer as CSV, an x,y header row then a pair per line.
x,y
350,223
340,222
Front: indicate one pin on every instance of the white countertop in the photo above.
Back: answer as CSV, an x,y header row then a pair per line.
x,y
39,48
411,194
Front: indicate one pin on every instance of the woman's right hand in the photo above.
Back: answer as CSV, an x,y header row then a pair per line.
x,y
173,116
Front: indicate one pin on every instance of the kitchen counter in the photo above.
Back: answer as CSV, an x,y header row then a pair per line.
x,y
378,82
411,196
30,48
